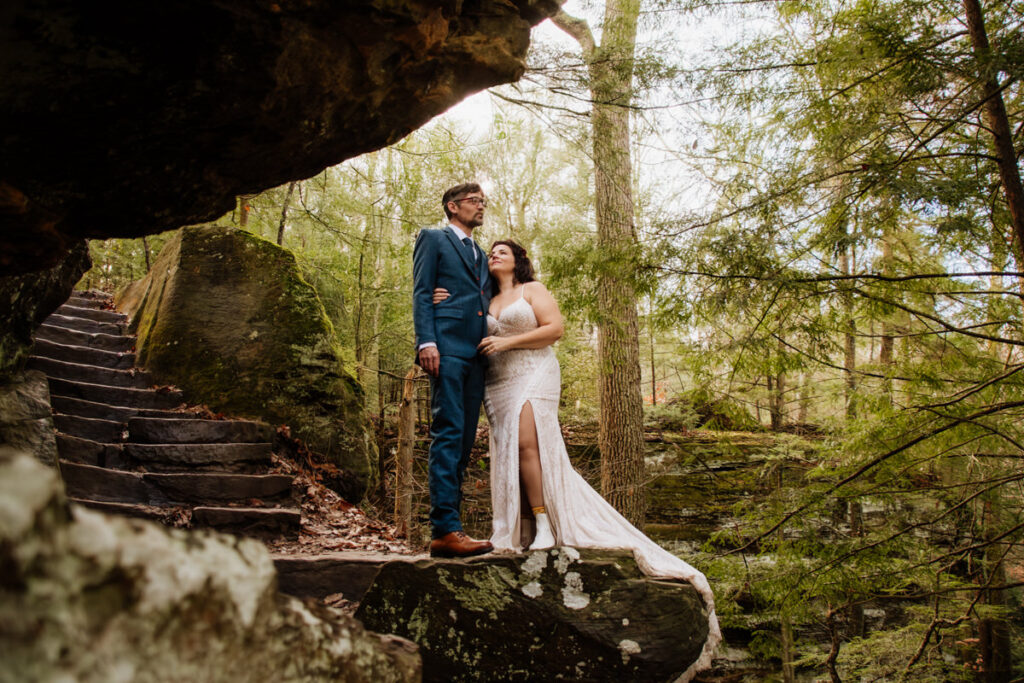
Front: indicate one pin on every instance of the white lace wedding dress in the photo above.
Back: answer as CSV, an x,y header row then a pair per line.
x,y
579,516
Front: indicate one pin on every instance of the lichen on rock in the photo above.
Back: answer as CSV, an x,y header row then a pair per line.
x,y
227,317
586,615
90,597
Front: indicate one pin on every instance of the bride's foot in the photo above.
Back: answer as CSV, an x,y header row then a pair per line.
x,y
544,538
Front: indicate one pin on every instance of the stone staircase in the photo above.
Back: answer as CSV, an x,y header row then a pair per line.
x,y
128,447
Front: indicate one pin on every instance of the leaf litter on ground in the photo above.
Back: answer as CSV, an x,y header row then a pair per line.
x,y
329,522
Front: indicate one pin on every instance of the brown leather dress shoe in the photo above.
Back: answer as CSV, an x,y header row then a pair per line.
x,y
458,544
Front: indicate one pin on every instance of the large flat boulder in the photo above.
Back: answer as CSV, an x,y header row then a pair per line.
x,y
128,120
561,614
226,316
91,597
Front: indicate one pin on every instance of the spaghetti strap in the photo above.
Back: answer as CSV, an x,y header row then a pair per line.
x,y
522,291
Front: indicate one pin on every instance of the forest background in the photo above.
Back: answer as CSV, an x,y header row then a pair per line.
x,y
823,236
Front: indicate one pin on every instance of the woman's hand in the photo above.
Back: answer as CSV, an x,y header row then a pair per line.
x,y
492,345
440,294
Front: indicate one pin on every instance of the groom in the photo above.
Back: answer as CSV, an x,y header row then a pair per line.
x,y
447,335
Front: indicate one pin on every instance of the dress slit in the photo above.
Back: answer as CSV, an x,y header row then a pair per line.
x,y
579,516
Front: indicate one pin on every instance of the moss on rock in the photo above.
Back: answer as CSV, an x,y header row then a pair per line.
x,y
227,317
557,614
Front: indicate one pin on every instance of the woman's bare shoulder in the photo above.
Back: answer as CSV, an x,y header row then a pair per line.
x,y
534,288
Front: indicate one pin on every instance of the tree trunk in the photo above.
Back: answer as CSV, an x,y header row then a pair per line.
x,y
833,653
993,631
243,211
849,337
145,251
284,212
805,398
776,397
998,123
404,456
654,375
885,356
788,668
620,437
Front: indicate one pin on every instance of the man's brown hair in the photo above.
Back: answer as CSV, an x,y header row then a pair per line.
x,y
458,192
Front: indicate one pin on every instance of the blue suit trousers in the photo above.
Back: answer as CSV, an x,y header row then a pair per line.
x,y
456,395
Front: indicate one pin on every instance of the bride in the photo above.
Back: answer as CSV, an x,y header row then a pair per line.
x,y
526,447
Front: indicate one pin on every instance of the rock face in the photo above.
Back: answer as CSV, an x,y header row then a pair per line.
x,y
559,614
26,300
225,316
119,128
25,420
88,597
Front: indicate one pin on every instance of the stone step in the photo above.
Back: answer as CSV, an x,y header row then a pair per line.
x,y
184,455
99,483
93,374
349,572
84,451
93,298
100,315
69,353
63,335
156,513
261,522
89,482
196,431
85,324
223,488
88,451
104,411
162,399
94,429
249,521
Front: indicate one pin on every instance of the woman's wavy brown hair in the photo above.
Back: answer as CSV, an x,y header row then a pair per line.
x,y
522,272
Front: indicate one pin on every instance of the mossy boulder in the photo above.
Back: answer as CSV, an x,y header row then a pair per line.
x,y
563,614
94,598
703,482
226,316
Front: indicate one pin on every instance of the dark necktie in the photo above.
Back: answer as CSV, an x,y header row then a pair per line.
x,y
468,243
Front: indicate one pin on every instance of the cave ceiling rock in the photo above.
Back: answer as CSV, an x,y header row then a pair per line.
x,y
144,118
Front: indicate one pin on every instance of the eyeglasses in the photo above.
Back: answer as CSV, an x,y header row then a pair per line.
x,y
479,201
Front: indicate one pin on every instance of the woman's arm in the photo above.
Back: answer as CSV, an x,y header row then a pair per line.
x,y
549,324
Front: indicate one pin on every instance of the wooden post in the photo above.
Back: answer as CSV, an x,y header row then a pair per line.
x,y
403,458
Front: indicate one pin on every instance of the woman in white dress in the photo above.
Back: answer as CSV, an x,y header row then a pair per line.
x,y
526,447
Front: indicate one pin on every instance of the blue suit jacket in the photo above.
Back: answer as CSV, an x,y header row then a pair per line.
x,y
458,323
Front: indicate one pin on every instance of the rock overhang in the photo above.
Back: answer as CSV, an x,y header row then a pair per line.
x,y
151,117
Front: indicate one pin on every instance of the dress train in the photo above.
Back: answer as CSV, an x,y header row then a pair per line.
x,y
579,516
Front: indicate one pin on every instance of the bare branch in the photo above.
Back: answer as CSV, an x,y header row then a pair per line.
x,y
578,30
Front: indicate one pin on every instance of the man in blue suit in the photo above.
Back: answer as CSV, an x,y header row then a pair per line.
x,y
447,335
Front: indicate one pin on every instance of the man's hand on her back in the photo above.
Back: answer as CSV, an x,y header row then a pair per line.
x,y
430,360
